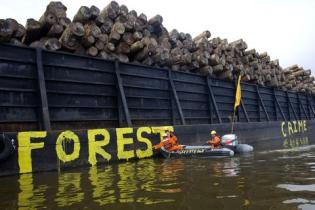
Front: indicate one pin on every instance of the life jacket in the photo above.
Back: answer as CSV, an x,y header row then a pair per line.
x,y
170,142
215,141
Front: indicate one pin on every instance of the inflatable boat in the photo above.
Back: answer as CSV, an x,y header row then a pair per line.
x,y
229,147
198,151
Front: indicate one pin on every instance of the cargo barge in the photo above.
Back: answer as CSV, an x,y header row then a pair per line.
x,y
61,110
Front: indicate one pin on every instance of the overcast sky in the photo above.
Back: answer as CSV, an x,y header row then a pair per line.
x,y
283,28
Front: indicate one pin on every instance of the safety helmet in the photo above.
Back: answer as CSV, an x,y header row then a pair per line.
x,y
164,136
213,132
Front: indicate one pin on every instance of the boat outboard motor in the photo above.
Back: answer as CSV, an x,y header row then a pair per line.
x,y
230,141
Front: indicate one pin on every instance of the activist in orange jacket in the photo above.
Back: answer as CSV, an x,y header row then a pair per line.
x,y
169,143
215,141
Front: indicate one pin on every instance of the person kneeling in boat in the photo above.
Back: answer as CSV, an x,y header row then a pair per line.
x,y
215,141
169,142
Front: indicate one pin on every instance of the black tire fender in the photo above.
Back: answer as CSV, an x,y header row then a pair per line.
x,y
7,147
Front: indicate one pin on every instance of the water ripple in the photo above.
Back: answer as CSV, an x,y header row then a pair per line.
x,y
297,188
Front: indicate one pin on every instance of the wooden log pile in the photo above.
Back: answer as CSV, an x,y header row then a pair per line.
x,y
11,31
115,32
298,79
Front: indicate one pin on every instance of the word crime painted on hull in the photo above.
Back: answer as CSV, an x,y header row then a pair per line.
x,y
289,128
294,134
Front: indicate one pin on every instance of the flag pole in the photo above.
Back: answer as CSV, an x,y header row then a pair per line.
x,y
237,99
233,121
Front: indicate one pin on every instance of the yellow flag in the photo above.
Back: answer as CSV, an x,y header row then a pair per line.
x,y
238,93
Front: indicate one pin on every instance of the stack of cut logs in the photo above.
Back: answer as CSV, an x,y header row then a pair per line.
x,y
298,79
115,32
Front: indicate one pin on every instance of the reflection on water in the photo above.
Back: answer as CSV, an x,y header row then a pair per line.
x,y
102,185
302,203
69,189
295,188
127,182
281,180
30,197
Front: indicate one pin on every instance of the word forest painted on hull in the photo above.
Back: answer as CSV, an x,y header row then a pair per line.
x,y
69,148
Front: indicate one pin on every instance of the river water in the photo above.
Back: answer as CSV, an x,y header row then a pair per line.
x,y
280,179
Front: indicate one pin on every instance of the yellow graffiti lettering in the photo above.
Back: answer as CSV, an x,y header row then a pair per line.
x,y
304,123
95,147
122,141
290,129
282,129
161,130
148,152
25,148
295,142
295,130
67,136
